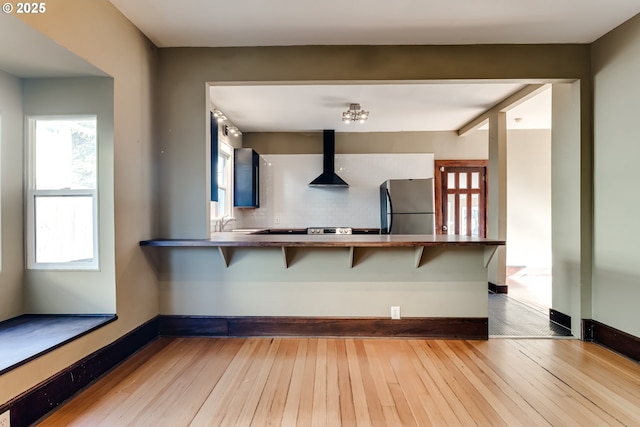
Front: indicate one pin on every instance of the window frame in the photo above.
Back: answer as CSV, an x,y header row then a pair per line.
x,y
226,150
32,194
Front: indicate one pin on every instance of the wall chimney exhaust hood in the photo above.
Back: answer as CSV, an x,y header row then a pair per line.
x,y
328,177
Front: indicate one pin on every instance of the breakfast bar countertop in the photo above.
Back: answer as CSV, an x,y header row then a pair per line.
x,y
245,239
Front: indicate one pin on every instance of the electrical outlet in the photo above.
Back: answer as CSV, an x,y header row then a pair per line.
x,y
395,312
5,420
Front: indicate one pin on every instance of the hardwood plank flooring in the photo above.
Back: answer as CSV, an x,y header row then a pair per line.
x,y
361,382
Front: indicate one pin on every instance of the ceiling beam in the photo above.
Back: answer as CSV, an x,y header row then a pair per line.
x,y
527,92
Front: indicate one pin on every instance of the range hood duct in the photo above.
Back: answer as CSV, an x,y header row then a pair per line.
x,y
328,177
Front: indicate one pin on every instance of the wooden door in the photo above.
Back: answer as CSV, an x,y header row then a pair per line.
x,y
461,197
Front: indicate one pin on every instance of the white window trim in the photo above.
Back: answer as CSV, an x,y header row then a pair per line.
x,y
226,150
31,193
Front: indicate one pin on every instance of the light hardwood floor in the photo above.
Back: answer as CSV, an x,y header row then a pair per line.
x,y
362,382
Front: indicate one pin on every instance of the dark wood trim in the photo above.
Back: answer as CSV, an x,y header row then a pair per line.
x,y
587,330
424,327
35,403
621,342
462,163
192,326
498,289
561,319
437,183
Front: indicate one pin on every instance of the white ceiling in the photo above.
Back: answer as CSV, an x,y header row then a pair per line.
x,y
171,23
393,107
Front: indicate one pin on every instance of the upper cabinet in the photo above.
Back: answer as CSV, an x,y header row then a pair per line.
x,y
246,178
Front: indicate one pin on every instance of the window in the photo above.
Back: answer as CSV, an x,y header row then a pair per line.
x,y
225,191
62,199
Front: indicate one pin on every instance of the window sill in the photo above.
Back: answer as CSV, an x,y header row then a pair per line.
x,y
30,336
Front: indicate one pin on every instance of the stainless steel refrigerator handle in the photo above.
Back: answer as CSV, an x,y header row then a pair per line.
x,y
390,210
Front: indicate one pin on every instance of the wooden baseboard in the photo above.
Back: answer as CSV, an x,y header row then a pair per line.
x,y
35,403
561,319
426,327
498,289
621,342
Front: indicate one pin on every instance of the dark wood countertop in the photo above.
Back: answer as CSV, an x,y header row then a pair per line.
x,y
239,239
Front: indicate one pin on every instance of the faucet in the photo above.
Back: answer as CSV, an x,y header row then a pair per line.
x,y
224,221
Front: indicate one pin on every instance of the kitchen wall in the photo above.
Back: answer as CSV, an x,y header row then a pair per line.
x,y
616,270
383,146
286,201
11,237
528,164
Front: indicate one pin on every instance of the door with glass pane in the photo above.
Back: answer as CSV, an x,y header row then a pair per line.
x,y
462,201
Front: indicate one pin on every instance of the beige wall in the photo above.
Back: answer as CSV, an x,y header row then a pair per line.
x,y
444,145
11,255
97,32
616,272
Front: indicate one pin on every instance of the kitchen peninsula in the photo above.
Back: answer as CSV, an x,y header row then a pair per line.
x,y
225,241
274,284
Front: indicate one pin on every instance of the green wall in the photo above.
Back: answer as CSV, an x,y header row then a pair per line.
x,y
616,272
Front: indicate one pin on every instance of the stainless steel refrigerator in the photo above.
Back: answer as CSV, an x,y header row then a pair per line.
x,y
407,206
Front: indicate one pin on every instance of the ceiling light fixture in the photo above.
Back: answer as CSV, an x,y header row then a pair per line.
x,y
355,114
232,130
219,116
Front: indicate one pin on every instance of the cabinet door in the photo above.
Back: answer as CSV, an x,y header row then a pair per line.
x,y
246,176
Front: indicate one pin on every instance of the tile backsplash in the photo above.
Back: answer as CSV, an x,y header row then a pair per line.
x,y
287,202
